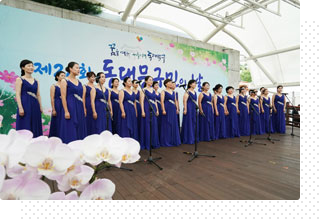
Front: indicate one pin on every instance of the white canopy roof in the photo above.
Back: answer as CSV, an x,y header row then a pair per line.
x,y
266,32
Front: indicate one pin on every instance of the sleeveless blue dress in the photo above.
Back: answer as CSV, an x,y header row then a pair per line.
x,y
266,121
206,122
158,100
145,123
232,123
189,122
255,123
220,121
244,120
89,117
128,125
137,97
32,115
100,124
169,133
116,112
178,115
74,128
55,120
279,116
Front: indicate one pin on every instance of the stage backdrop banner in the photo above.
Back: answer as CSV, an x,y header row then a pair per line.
x,y
52,42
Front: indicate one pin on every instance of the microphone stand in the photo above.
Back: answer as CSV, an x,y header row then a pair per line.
x,y
103,164
150,159
269,122
195,154
251,141
294,108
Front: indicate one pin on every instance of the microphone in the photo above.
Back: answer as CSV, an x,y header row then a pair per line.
x,y
284,93
183,85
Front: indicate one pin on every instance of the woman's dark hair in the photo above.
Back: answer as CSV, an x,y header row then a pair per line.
x,y
112,81
261,88
241,89
146,79
279,86
125,80
252,91
218,86
135,80
98,76
70,65
191,81
89,74
166,81
154,83
57,75
23,63
204,84
229,87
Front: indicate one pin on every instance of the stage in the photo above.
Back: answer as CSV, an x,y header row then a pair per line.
x,y
237,172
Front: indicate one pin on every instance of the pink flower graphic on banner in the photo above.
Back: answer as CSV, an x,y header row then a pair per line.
x,y
214,61
192,54
224,68
14,116
224,61
13,125
180,51
184,58
207,59
1,103
171,44
8,77
192,58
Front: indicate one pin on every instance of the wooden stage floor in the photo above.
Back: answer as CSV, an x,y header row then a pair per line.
x,y
260,172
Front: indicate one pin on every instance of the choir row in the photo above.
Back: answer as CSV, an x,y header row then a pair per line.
x,y
80,110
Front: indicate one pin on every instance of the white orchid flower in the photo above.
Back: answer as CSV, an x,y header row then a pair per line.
x,y
101,189
62,196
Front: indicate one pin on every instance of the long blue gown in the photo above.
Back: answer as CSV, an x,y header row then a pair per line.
x,y
145,123
178,115
137,96
220,121
32,115
89,117
266,121
244,120
100,124
128,125
55,120
255,123
206,122
279,116
232,123
74,128
169,133
189,122
116,112
158,100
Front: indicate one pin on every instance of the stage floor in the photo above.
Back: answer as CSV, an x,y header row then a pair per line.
x,y
237,172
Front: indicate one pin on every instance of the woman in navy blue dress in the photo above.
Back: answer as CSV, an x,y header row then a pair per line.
x,y
56,104
115,106
254,108
145,113
279,107
189,115
169,133
91,76
128,121
28,100
232,123
155,86
177,102
266,106
136,91
73,96
100,97
220,110
243,111
206,117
